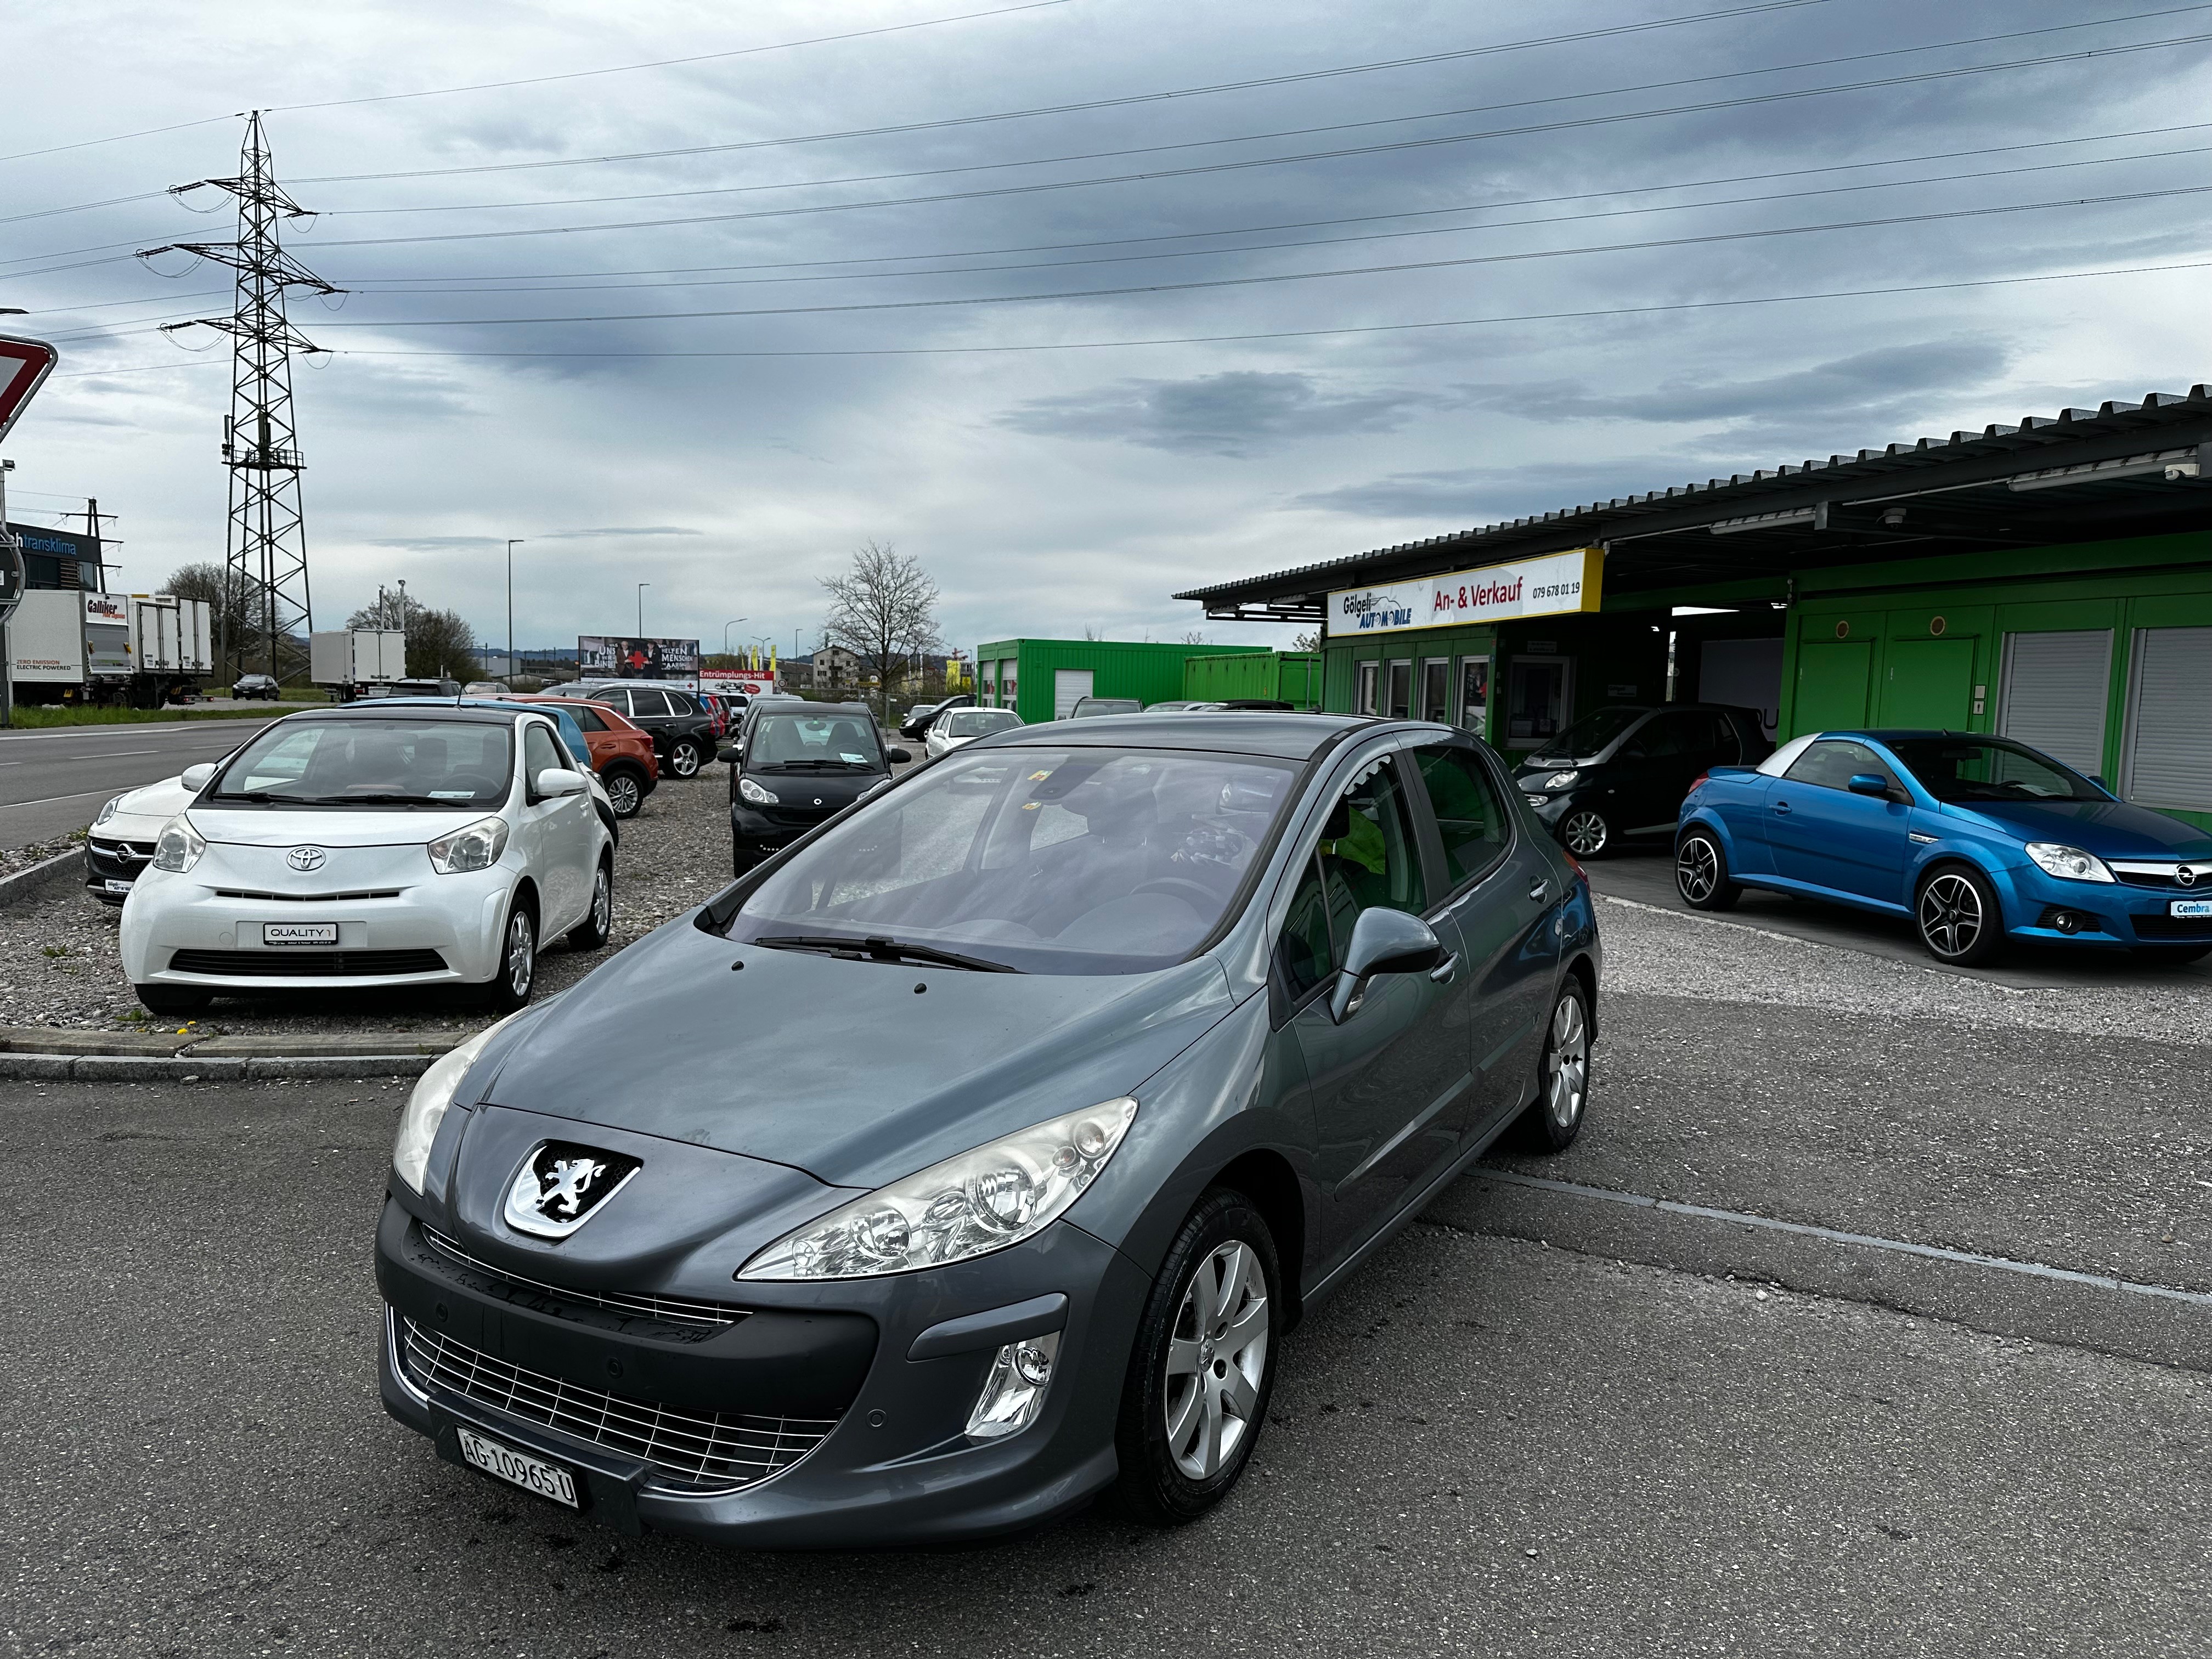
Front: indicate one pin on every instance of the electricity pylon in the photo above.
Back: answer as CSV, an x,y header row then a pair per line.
x,y
266,583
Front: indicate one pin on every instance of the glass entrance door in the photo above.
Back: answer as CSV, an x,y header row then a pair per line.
x,y
1363,695
1472,713
1400,705
1435,689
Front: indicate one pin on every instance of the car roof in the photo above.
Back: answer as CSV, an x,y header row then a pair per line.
x,y
1245,731
801,705
479,710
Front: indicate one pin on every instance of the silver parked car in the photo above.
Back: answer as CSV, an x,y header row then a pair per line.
x,y
959,726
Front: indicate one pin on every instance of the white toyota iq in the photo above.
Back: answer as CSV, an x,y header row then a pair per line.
x,y
358,847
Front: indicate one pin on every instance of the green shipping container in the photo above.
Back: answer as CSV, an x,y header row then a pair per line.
x,y
1291,676
1048,676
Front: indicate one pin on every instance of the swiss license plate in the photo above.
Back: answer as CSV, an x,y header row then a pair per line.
x,y
298,933
2190,907
111,886
519,1468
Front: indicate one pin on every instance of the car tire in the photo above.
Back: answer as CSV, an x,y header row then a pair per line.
x,y
683,759
1701,872
1586,834
599,923
2173,956
1957,916
625,791
516,977
1555,1117
171,999
1183,1398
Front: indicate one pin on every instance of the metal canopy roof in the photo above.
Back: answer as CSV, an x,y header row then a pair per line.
x,y
2121,469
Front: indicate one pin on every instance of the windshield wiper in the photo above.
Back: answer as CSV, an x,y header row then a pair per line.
x,y
382,797
260,797
883,949
793,765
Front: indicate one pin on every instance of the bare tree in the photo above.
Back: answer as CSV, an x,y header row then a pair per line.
x,y
1307,641
234,611
883,611
1195,636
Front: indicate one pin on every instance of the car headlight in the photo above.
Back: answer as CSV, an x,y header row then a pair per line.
x,y
426,1107
107,812
1560,779
179,847
2068,863
476,848
968,1205
748,790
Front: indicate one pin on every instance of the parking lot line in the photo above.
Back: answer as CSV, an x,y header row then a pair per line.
x,y
1932,1252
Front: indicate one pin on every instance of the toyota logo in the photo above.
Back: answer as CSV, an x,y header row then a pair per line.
x,y
2184,875
305,858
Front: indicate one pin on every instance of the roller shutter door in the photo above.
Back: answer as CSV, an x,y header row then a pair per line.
x,y
2169,739
2053,696
1069,687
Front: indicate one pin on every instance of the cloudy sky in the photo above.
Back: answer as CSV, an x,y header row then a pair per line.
x,y
1080,303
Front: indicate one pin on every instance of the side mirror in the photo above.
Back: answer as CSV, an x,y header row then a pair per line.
x,y
558,780
2098,779
1868,783
730,753
898,757
1383,942
196,778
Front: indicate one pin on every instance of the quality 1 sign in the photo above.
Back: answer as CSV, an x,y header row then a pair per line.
x,y
1556,585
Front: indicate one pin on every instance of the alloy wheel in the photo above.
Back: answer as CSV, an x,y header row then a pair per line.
x,y
1950,915
684,760
1566,1063
1697,870
624,796
521,959
602,903
1584,833
1217,1357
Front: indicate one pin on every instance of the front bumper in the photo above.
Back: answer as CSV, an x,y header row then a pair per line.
x,y
110,866
767,828
893,1465
2043,909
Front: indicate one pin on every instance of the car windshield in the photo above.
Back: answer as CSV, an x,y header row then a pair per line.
x,y
389,761
975,722
813,743
1070,861
1971,768
1589,734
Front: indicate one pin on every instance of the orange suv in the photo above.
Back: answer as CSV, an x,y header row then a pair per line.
x,y
622,753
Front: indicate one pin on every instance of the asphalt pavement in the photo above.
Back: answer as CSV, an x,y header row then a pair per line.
x,y
1546,1420
52,782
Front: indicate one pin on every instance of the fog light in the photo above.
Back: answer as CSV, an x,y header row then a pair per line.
x,y
1014,1392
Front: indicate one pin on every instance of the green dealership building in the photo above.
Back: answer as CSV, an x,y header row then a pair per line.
x,y
2050,581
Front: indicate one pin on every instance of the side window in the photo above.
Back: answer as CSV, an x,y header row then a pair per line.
x,y
1471,816
1721,747
539,751
587,720
1662,736
643,701
1306,953
1368,859
1833,764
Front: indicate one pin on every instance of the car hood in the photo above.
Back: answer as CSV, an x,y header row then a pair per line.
x,y
839,1068
2109,828
153,806
329,827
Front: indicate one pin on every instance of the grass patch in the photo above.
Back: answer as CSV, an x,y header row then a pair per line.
x,y
36,718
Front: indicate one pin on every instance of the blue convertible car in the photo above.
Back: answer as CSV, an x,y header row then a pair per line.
x,y
1979,840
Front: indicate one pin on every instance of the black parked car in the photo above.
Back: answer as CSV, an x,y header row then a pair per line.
x,y
263,686
795,764
1622,771
920,717
682,726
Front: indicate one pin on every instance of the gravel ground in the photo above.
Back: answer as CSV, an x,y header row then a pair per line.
x,y
1673,954
13,859
60,964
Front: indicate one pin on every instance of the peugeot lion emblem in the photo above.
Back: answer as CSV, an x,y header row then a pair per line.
x,y
561,1186
305,858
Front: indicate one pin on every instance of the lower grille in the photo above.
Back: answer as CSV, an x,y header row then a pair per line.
x,y
700,1450
300,964
2199,928
674,1309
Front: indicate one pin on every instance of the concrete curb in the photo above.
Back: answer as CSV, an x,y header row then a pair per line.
x,y
122,1068
24,883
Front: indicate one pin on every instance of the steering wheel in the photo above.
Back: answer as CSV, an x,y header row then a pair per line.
x,y
1180,887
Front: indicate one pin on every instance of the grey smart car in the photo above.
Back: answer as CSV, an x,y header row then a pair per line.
x,y
1038,1096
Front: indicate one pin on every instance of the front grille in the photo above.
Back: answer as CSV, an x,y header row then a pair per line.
x,y
676,1310
2163,875
304,898
123,852
2174,927
700,1450
304,964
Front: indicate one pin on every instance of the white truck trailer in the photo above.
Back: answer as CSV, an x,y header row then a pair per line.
x,y
363,662
144,649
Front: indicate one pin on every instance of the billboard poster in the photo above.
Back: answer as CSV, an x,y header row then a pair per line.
x,y
1558,583
603,657
750,682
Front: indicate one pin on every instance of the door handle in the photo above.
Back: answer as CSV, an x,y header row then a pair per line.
x,y
1443,972
1782,808
1537,891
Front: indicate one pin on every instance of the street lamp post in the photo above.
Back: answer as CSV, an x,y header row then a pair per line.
x,y
726,627
511,543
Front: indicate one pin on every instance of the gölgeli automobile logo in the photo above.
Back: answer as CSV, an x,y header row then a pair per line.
x,y
1376,609
305,858
562,1185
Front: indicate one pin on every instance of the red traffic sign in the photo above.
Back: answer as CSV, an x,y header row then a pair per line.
x,y
24,366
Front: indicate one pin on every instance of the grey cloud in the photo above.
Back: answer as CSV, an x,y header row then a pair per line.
x,y
611,531
1237,414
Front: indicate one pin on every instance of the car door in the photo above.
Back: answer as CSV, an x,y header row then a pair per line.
x,y
1503,892
1823,834
1388,1084
649,708
558,831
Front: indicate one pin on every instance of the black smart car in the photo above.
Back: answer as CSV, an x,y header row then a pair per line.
x,y
1622,771
795,764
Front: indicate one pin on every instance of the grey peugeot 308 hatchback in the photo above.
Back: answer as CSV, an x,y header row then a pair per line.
x,y
1038,1096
